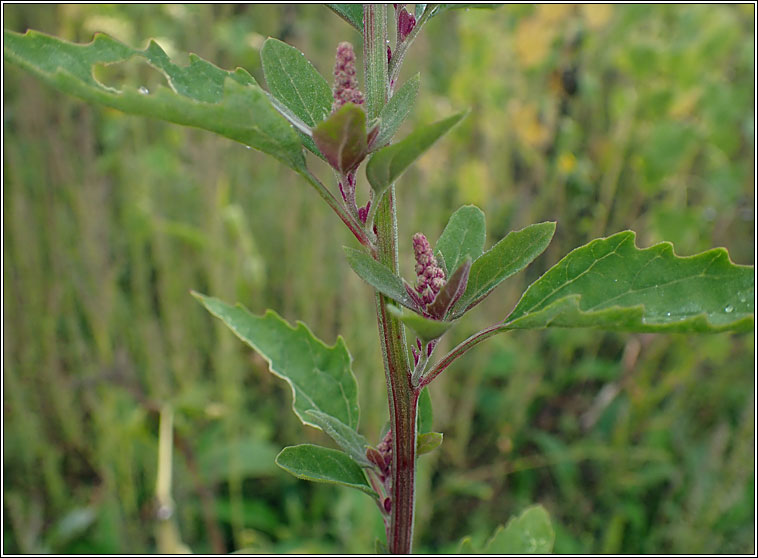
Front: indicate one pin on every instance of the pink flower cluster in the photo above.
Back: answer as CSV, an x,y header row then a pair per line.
x,y
382,458
345,83
430,277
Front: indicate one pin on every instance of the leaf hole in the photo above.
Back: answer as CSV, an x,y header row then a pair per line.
x,y
134,73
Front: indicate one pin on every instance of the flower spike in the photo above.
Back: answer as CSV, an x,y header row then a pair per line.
x,y
345,83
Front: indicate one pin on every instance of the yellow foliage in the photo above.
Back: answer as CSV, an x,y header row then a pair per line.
x,y
596,15
533,39
685,103
566,163
553,13
526,123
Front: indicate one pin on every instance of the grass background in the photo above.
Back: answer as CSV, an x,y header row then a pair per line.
x,y
600,117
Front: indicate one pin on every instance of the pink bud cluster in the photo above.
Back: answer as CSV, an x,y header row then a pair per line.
x,y
381,457
385,449
417,354
345,83
430,277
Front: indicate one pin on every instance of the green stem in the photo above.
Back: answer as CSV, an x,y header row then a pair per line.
x,y
375,58
403,399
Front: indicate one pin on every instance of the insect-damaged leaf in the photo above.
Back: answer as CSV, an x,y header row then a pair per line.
x,y
201,95
611,284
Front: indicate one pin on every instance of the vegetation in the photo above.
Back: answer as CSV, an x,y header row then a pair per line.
x,y
602,119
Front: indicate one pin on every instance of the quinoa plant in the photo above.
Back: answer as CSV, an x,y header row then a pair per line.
x,y
608,284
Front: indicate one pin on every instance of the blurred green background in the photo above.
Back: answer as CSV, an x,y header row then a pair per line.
x,y
600,117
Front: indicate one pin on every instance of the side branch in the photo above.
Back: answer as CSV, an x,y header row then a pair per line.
x,y
449,358
355,227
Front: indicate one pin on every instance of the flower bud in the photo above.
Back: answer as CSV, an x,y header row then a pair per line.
x,y
429,276
345,83
405,24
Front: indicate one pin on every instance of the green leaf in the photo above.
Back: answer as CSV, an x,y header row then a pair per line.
x,y
396,110
509,256
293,80
201,95
319,464
347,438
464,235
342,138
378,276
320,376
611,284
352,13
428,441
529,533
451,291
388,163
425,329
425,413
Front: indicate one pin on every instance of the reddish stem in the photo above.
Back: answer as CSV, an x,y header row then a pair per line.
x,y
448,359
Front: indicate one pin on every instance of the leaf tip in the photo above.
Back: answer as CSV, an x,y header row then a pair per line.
x,y
198,296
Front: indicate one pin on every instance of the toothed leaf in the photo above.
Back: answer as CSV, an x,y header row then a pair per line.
x,y
200,95
611,284
320,376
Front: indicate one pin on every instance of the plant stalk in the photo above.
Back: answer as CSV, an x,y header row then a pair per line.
x,y
403,399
